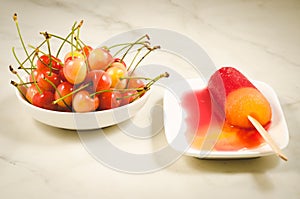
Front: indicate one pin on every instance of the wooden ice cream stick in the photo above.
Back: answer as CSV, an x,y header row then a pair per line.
x,y
267,137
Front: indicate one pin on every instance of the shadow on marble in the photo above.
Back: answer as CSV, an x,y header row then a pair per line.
x,y
257,168
251,165
64,134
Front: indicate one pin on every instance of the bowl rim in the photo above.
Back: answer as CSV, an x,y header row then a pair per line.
x,y
25,102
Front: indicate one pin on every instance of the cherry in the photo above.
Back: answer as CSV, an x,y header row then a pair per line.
x,y
109,100
44,100
116,71
128,97
73,55
44,62
135,83
99,58
119,65
82,102
31,91
46,85
86,50
62,75
75,70
22,89
118,60
100,80
64,89
34,75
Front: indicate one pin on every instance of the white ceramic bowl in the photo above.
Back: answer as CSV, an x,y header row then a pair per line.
x,y
84,121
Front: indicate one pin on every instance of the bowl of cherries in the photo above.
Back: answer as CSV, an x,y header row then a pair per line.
x,y
85,87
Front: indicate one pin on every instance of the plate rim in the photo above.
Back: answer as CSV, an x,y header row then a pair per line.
x,y
243,153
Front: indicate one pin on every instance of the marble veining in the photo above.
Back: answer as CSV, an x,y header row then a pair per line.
x,y
18,165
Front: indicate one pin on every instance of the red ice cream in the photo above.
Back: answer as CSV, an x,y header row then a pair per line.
x,y
238,97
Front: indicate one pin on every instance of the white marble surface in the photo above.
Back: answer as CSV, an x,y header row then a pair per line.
x,y
259,37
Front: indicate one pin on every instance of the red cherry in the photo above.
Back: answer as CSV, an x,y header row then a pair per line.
x,y
109,100
44,100
86,51
30,93
100,80
64,89
128,97
34,75
43,63
62,75
135,83
22,89
118,60
44,84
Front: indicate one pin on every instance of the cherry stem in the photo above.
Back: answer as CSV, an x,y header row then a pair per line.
x,y
59,94
116,45
135,77
13,71
73,92
19,62
25,83
31,54
36,84
130,47
72,38
78,33
81,47
47,37
116,90
81,43
18,87
139,90
135,56
138,95
53,58
126,46
23,68
150,49
34,81
15,18
163,75
65,39
47,65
